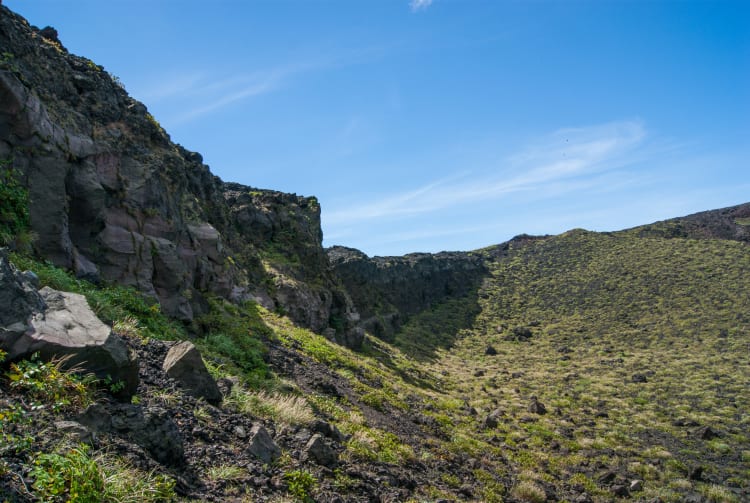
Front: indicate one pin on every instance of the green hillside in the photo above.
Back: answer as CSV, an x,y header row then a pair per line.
x,y
636,347
605,311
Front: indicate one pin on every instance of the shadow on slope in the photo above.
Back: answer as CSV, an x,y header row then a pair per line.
x,y
438,327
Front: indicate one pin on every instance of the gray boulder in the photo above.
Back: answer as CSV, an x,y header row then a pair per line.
x,y
151,428
320,452
184,364
262,446
60,325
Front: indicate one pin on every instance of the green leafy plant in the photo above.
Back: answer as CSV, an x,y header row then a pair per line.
x,y
49,383
300,483
73,476
12,437
113,386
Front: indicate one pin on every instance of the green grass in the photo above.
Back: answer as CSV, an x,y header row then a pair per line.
x,y
75,476
112,303
14,208
234,337
600,307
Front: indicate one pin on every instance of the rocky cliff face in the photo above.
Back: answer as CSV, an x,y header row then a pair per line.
x,y
112,198
282,232
387,290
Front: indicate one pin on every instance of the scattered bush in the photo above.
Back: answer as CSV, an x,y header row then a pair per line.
x,y
73,476
47,382
300,483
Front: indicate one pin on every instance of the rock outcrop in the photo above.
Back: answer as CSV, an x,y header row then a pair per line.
x,y
54,325
286,229
388,290
112,198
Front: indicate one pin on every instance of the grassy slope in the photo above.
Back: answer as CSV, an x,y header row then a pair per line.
x,y
601,307
674,310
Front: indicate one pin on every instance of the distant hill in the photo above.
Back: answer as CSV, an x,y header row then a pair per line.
x,y
726,223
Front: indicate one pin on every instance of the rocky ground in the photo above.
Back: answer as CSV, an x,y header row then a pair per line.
x,y
166,430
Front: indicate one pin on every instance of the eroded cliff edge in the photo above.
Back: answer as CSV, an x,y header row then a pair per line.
x,y
114,199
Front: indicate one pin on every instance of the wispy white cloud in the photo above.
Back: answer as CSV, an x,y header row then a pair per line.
x,y
199,93
563,161
417,5
211,96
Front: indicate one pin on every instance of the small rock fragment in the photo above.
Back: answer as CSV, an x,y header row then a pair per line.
x,y
696,473
636,486
706,433
76,431
492,419
537,407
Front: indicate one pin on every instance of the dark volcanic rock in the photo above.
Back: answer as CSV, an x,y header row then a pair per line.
x,y
112,198
492,419
536,406
184,364
388,290
152,428
696,473
319,451
706,433
520,334
639,378
261,444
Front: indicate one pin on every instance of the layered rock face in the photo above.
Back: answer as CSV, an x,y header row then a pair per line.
x,y
387,290
112,198
286,229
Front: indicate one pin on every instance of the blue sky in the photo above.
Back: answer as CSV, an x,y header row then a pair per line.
x,y
445,124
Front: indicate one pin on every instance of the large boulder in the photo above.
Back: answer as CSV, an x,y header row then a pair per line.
x,y
56,325
184,364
